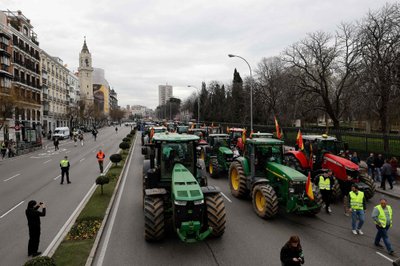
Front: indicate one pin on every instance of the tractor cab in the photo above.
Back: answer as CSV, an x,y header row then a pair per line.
x,y
262,135
236,137
182,129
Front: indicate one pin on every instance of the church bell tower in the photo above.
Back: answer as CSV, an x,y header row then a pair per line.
x,y
86,74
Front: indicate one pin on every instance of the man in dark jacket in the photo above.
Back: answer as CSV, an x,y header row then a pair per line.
x,y
379,161
33,215
386,172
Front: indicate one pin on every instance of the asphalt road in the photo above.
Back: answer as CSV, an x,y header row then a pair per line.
x,y
248,239
37,176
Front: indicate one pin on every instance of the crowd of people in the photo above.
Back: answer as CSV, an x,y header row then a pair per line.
x,y
8,148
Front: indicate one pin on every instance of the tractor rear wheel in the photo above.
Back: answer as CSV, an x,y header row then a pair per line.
x,y
237,180
213,167
216,216
292,162
369,193
154,220
336,191
265,201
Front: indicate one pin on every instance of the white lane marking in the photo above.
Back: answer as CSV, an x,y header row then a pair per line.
x,y
47,161
11,209
113,215
226,197
389,259
55,178
34,157
81,160
5,180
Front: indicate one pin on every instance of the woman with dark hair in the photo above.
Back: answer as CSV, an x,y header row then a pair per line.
x,y
292,253
33,216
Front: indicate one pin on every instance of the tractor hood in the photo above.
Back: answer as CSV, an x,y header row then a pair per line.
x,y
225,150
184,185
341,162
285,172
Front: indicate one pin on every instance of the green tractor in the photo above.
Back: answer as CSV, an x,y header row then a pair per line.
x,y
175,188
218,155
260,173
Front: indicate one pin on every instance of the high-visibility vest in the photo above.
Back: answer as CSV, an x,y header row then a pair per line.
x,y
324,184
356,200
382,215
100,156
64,163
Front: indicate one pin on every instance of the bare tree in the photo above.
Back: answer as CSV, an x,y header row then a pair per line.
x,y
324,67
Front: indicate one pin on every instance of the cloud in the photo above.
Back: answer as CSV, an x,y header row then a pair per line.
x,y
142,44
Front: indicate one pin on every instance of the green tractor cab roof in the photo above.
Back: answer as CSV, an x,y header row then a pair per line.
x,y
218,135
318,137
268,141
262,135
174,137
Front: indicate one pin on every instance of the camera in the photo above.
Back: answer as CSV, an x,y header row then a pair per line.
x,y
40,203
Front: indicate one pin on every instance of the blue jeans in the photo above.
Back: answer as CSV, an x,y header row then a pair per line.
x,y
382,233
360,215
378,176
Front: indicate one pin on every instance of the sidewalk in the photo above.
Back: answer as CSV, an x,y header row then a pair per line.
x,y
395,192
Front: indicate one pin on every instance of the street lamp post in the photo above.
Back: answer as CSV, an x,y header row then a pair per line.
x,y
198,102
251,90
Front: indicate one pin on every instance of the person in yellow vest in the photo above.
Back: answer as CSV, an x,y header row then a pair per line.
x,y
64,164
358,206
325,183
382,216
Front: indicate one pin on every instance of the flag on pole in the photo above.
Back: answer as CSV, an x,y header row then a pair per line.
x,y
251,134
192,126
151,134
309,190
278,130
299,140
244,136
227,129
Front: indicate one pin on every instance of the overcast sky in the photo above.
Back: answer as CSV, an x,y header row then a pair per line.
x,y
142,44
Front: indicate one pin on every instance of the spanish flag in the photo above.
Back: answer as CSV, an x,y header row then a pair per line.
x,y
311,159
309,191
227,129
151,134
251,134
278,130
192,126
299,140
244,136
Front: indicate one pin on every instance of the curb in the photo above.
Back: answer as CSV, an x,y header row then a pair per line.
x,y
385,192
94,249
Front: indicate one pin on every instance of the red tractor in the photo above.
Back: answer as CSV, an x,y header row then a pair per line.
x,y
319,154
236,137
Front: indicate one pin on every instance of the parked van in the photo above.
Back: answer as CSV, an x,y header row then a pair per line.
x,y
61,133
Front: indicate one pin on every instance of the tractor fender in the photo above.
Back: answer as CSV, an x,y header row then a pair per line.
x,y
155,191
301,157
210,190
259,181
244,163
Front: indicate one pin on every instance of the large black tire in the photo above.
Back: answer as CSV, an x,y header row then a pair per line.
x,y
292,162
213,167
369,193
317,199
265,201
237,180
154,220
216,216
336,191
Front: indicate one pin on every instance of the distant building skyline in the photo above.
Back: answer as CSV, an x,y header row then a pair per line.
x,y
164,93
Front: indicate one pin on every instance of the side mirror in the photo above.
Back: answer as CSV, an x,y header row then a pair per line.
x,y
144,150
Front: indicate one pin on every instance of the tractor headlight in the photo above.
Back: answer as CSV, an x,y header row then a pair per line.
x,y
198,202
180,202
291,190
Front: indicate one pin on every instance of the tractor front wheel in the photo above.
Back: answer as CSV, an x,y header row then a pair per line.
x,y
237,180
154,219
216,216
265,201
370,192
213,167
317,200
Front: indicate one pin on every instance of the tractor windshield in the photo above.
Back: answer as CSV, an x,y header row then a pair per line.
x,y
328,145
177,153
272,153
220,142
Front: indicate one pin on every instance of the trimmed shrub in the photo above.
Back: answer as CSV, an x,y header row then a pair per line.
x,y
124,145
116,158
133,132
41,261
102,180
127,140
129,136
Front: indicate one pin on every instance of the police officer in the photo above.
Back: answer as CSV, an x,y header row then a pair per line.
x,y
64,164
357,205
382,216
325,184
